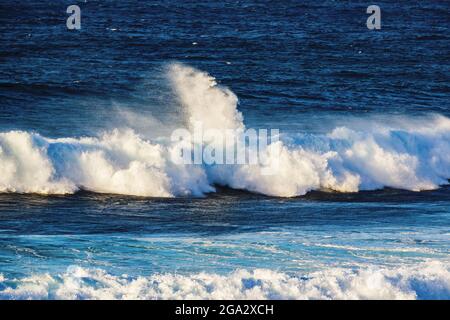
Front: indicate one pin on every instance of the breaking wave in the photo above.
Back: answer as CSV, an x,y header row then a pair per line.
x,y
430,280
412,155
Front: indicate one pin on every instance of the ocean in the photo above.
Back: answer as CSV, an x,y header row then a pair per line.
x,y
93,207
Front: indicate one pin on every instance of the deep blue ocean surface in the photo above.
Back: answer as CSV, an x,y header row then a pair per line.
x,y
92,208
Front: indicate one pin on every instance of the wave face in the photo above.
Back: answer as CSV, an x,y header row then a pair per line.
x,y
431,280
412,155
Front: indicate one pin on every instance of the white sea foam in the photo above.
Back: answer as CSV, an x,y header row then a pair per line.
x,y
410,154
430,280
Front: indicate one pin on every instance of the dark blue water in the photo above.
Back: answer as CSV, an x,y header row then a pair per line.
x,y
303,67
289,61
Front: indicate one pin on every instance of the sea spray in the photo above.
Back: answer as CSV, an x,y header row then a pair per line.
x,y
122,161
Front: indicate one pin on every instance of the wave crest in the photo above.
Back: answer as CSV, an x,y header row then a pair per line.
x,y
412,155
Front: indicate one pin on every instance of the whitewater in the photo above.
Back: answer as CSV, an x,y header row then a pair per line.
x,y
405,154
429,280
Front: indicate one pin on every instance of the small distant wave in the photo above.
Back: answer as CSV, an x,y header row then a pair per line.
x,y
411,154
430,280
